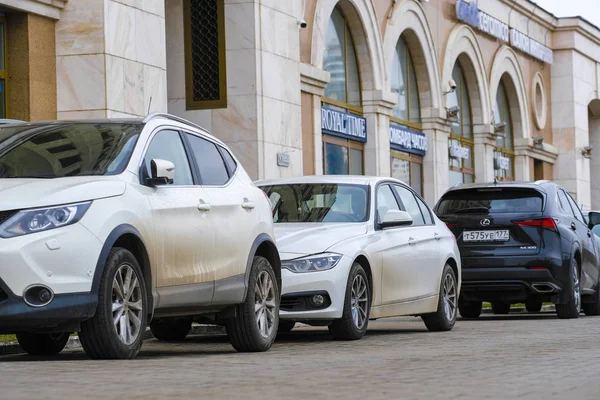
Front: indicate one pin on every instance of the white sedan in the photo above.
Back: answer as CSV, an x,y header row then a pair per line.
x,y
355,248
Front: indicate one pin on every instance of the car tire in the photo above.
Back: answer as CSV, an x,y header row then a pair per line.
x,y
286,326
469,309
357,307
572,308
500,308
533,306
251,330
593,308
122,285
42,344
171,329
445,316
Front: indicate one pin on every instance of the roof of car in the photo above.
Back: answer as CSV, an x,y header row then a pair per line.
x,y
315,179
486,185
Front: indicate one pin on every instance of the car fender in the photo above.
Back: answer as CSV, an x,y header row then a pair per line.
x,y
260,239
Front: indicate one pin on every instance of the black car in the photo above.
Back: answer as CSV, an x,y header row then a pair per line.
x,y
523,242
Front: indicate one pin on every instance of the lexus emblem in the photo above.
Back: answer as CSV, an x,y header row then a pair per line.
x,y
485,222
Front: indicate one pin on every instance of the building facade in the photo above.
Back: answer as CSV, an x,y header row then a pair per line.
x,y
433,92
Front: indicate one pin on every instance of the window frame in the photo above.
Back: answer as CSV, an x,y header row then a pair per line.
x,y
410,67
190,103
505,151
462,140
342,104
350,144
419,200
411,158
376,197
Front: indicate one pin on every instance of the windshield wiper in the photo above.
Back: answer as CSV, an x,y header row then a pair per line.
x,y
474,210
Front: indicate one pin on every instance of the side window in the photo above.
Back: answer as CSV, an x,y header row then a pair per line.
x,y
167,145
576,209
385,201
229,161
410,202
425,211
563,204
210,163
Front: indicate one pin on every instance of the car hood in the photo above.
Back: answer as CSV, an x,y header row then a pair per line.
x,y
17,194
297,239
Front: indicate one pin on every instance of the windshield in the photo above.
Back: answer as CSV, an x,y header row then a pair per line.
x,y
492,201
318,202
56,151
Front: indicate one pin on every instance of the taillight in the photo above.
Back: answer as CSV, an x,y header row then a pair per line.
x,y
449,225
544,223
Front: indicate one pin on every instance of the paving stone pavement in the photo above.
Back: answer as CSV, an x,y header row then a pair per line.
x,y
519,356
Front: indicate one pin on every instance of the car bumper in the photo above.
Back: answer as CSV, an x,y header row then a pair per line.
x,y
331,284
515,283
62,259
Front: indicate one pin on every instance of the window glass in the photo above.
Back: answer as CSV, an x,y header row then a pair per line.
x,y
416,178
504,141
353,76
410,204
356,162
337,159
210,163
576,209
231,164
334,59
425,211
399,81
318,202
166,145
472,201
57,151
563,203
401,170
385,201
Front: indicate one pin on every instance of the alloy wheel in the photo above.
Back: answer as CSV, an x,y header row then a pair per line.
x,y
359,301
127,304
264,304
576,289
449,297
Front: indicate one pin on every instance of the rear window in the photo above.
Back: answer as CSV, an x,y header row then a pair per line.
x,y
478,201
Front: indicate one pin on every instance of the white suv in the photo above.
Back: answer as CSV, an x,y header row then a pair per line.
x,y
107,226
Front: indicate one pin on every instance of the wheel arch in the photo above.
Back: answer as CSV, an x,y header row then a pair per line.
x,y
128,237
263,246
364,262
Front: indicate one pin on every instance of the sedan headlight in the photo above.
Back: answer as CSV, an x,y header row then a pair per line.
x,y
42,219
318,262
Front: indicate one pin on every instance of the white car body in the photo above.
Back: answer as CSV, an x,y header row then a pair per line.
x,y
404,263
195,243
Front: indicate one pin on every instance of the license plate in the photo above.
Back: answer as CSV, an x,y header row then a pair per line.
x,y
486,236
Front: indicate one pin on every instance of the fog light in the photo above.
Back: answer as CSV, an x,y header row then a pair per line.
x,y
318,300
45,296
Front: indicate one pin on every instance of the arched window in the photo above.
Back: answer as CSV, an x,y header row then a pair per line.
x,y
461,136
404,84
504,156
340,61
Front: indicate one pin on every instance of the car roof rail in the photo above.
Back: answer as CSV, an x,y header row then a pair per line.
x,y
172,117
539,182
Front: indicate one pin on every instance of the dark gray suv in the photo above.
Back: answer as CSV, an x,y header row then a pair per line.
x,y
523,242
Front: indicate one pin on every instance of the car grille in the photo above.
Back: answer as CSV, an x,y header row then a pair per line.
x,y
290,303
4,215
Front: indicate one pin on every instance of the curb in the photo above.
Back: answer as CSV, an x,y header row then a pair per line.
x,y
12,348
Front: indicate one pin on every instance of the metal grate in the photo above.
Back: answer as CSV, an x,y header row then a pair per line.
x,y
204,24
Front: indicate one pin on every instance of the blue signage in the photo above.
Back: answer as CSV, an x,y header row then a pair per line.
x,y
407,140
468,12
343,124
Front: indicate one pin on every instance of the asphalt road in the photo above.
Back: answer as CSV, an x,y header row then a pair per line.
x,y
519,356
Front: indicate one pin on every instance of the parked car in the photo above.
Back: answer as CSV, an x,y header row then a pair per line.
x,y
523,242
109,225
356,248
595,228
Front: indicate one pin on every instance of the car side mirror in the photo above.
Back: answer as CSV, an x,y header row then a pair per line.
x,y
394,218
594,219
162,172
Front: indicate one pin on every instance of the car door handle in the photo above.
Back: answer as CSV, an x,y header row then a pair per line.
x,y
437,236
590,234
248,205
202,206
573,226
412,241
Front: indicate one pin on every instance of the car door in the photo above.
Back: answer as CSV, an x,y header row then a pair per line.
x,y
589,261
427,236
180,224
232,210
397,248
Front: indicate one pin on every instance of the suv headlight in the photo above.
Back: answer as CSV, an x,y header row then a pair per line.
x,y
318,262
42,219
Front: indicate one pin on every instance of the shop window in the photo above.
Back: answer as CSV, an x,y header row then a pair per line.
x,y
205,67
409,169
504,156
462,169
404,85
340,61
342,157
3,74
